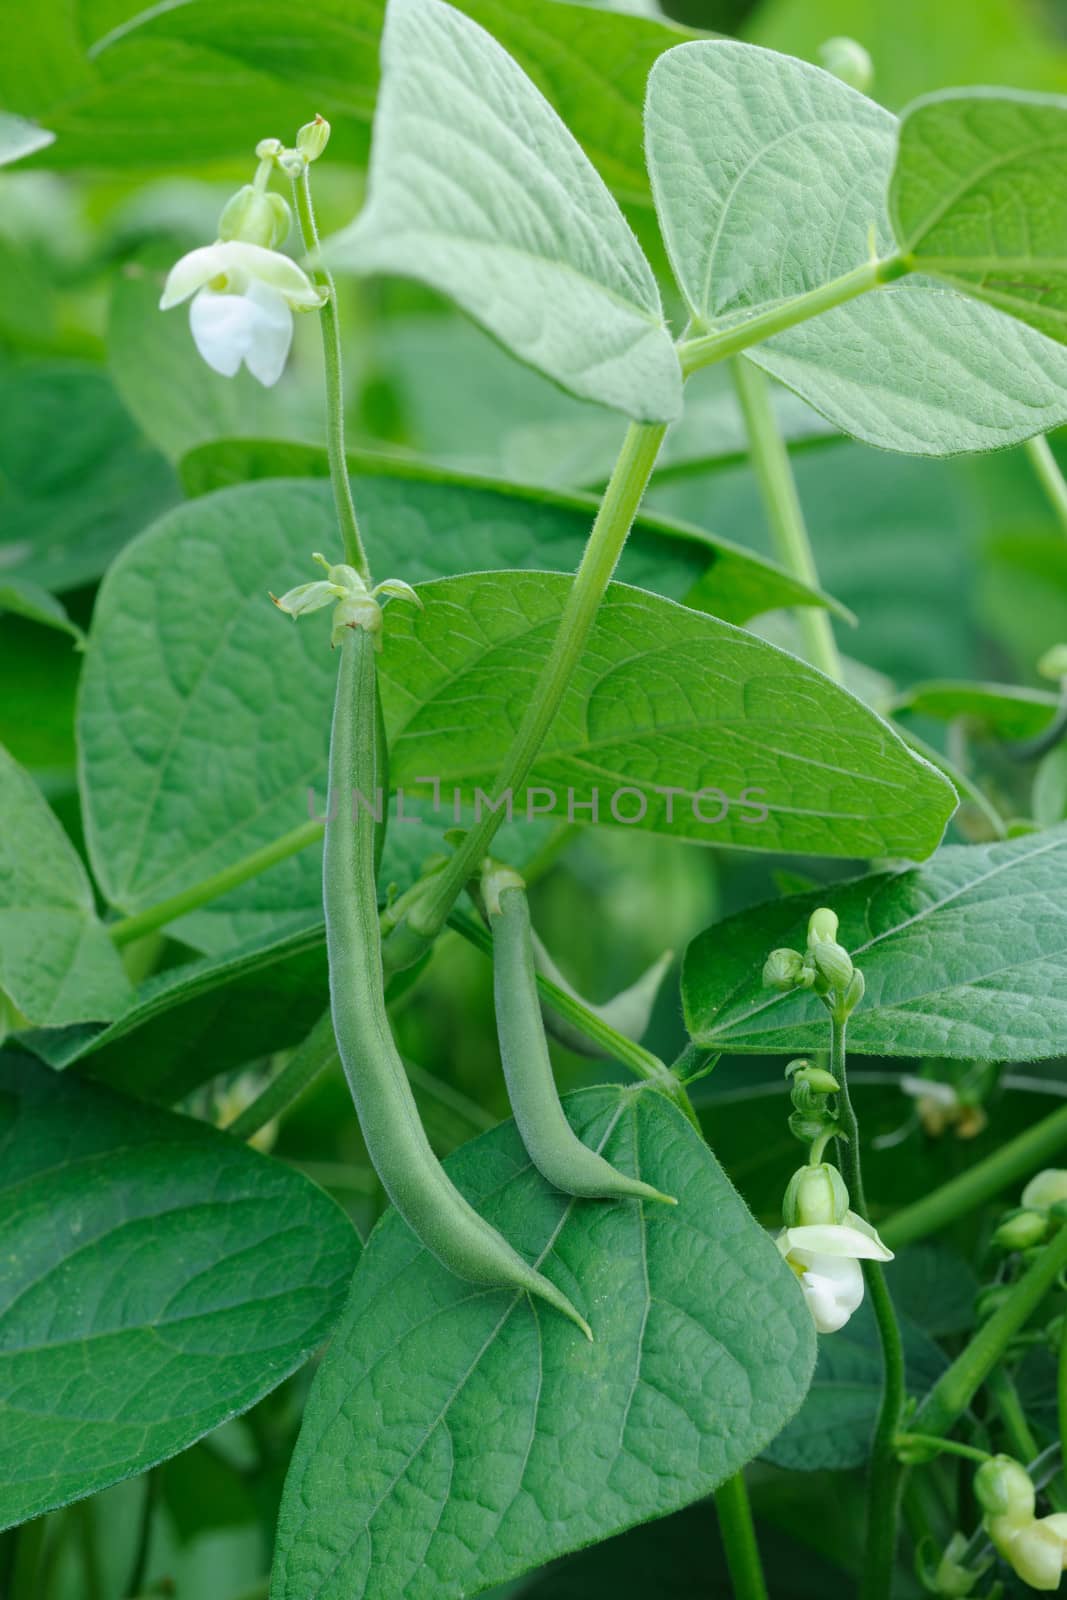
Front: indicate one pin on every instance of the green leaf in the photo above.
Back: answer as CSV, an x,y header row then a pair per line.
x,y
56,962
159,1278
20,138
979,198
965,957
193,1022
832,1431
664,699
437,523
29,600
739,140
456,1437
477,189
1005,710
76,479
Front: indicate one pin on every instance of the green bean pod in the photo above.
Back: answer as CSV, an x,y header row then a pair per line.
x,y
413,1177
554,1147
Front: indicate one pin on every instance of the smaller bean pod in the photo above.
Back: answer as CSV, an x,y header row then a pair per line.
x,y
555,1149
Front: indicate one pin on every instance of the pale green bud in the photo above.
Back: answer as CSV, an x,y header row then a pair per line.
x,y
1053,664
268,149
952,1579
849,61
822,926
783,970
1004,1490
1045,1190
854,993
255,217
313,138
1021,1230
817,1079
814,1196
833,963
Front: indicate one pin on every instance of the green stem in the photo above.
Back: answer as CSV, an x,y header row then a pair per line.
x,y
144,1534
429,910
1005,1397
955,1389
198,894
739,1539
988,1178
1061,1408
885,1479
778,490
708,348
310,1058
1048,471
952,1447
355,554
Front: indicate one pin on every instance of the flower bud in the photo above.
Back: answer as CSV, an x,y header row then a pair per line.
x,y
255,217
267,149
1053,664
313,138
806,1126
815,1195
833,963
1004,1490
1020,1230
1045,1190
822,926
849,61
817,1079
854,993
953,1579
782,970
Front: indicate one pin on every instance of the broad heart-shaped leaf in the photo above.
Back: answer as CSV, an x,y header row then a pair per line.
x,y
478,189
832,1431
20,138
979,198
965,957
204,714
56,962
456,1436
76,479
1006,710
770,179
159,1278
439,522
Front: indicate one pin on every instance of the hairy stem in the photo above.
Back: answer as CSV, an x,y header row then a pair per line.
x,y
986,1179
739,1539
707,348
955,1389
428,912
886,1478
1051,478
198,894
355,555
778,490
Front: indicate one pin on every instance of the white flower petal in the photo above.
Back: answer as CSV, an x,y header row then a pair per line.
x,y
838,1239
277,271
833,1290
268,349
193,271
220,325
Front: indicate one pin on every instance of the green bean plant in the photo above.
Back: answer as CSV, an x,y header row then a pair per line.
x,y
253,1344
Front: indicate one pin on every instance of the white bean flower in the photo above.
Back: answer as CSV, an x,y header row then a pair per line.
x,y
826,1258
242,310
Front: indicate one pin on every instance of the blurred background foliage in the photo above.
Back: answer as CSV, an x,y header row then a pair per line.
x,y
954,569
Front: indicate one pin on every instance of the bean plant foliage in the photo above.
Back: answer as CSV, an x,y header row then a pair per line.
x,y
667,429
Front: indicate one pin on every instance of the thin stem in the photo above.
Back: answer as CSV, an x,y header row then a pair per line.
x,y
952,1447
885,1479
309,1060
955,1389
999,1171
144,1534
1061,1393
355,554
708,348
198,894
739,1539
781,501
1005,1397
1048,471
9,1549
428,912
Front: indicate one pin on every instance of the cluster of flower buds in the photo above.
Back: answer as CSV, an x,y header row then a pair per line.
x,y
244,290
1043,1209
824,1242
1034,1547
356,605
814,1117
825,967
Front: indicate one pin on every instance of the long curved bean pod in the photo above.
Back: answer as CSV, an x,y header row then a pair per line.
x,y
554,1148
412,1176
